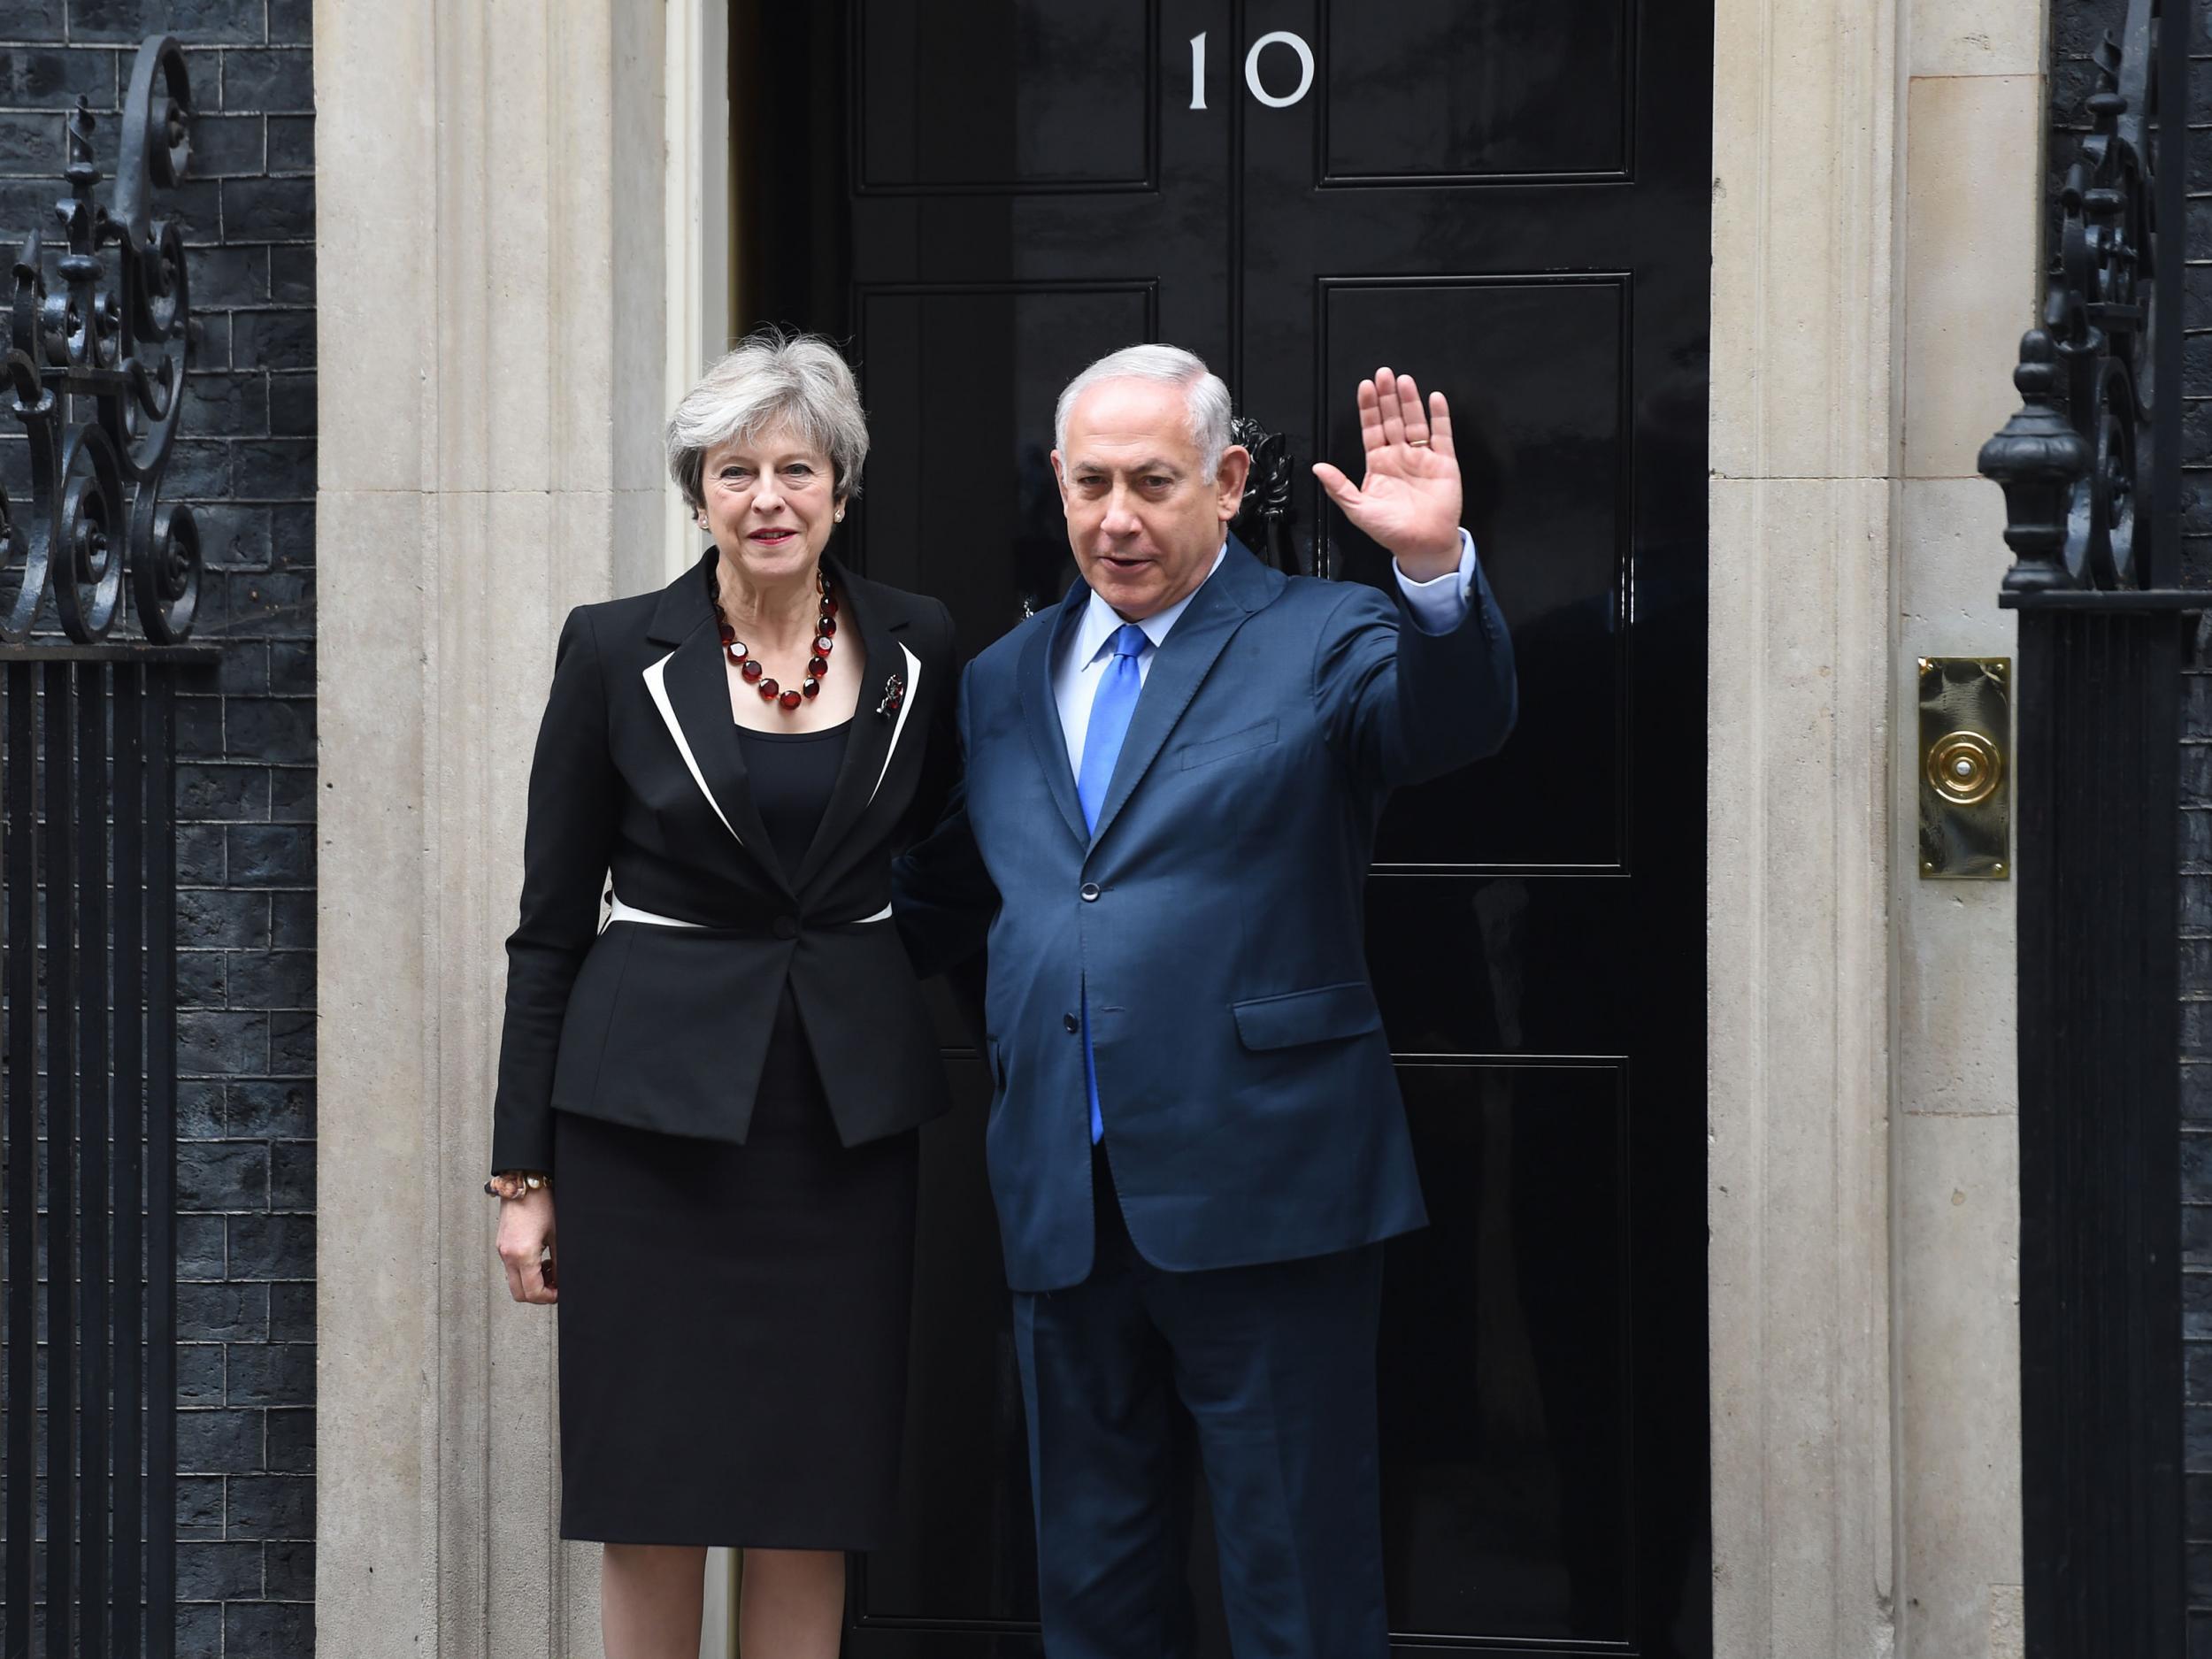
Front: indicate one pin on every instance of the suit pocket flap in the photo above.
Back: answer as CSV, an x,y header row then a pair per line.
x,y
1214,749
1315,1015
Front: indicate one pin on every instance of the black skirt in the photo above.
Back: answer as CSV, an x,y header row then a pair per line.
x,y
734,1324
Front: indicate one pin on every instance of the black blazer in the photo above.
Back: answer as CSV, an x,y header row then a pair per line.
x,y
639,773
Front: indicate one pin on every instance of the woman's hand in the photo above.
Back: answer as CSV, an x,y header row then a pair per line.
x,y
525,1246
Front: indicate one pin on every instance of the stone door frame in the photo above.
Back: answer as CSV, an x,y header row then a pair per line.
x,y
495,311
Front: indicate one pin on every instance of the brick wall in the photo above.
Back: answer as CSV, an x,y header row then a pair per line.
x,y
246,858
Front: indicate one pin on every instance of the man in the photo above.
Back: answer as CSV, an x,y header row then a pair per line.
x,y
1197,1144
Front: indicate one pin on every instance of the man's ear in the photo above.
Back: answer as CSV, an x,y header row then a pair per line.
x,y
1060,476
1236,469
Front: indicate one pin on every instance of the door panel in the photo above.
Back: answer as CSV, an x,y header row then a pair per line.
x,y
1046,105
1511,200
1502,90
1504,1357
1536,370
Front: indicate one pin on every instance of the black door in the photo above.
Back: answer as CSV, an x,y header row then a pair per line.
x,y
1509,199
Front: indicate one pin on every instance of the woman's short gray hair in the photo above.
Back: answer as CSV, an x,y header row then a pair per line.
x,y
1203,394
776,377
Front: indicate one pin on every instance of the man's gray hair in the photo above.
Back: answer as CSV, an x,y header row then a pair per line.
x,y
1203,394
774,378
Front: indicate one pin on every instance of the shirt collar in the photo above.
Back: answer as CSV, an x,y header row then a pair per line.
x,y
1101,621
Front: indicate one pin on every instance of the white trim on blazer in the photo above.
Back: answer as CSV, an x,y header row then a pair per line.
x,y
617,911
906,707
656,683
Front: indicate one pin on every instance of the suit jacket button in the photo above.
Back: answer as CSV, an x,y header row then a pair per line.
x,y
1072,1023
787,927
1090,892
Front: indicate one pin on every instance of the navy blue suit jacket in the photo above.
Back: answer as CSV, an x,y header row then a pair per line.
x,y
1251,1111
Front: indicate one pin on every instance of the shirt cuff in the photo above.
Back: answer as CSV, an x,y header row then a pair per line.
x,y
1440,605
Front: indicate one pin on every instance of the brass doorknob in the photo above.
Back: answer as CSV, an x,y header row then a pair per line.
x,y
1965,768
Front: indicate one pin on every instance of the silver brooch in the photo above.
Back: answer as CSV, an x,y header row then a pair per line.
x,y
894,694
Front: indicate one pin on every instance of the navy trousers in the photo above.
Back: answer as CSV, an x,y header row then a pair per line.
x,y
1276,1364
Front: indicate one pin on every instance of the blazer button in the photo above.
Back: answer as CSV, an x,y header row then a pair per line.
x,y
787,927
1072,1023
1090,893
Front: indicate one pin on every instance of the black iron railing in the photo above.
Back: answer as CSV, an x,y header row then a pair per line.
x,y
89,848
94,363
2091,466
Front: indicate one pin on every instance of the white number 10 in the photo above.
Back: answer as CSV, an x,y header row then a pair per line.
x,y
1280,37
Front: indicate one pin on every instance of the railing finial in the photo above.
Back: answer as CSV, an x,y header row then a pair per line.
x,y
2068,460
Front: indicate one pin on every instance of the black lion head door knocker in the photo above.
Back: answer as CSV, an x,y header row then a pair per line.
x,y
1262,522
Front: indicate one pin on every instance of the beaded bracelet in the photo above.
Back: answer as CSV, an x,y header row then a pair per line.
x,y
515,1183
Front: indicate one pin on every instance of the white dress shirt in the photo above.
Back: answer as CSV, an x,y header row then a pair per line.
x,y
1438,606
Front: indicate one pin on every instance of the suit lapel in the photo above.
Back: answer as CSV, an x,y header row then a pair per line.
x,y
1040,710
868,622
1217,609
698,705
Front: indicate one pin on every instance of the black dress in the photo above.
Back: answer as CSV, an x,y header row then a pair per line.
x,y
734,1318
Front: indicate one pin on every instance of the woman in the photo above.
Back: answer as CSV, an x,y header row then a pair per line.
x,y
723,1081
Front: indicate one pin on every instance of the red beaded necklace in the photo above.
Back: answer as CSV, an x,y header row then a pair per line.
x,y
748,666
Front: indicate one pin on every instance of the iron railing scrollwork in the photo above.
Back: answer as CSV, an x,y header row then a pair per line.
x,y
96,342
2090,466
121,346
2095,421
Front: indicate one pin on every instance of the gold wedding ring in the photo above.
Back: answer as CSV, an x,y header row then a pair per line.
x,y
1417,443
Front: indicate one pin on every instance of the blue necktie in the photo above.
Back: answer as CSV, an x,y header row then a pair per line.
x,y
1110,709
